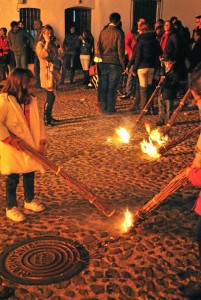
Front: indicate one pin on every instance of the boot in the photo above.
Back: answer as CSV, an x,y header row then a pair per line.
x,y
48,109
151,109
72,75
143,97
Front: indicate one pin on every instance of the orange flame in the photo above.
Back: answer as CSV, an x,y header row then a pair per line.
x,y
128,222
123,135
156,139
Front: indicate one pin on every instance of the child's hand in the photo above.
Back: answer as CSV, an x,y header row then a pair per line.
x,y
42,147
14,142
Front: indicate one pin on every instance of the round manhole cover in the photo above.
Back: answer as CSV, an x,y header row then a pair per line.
x,y
43,260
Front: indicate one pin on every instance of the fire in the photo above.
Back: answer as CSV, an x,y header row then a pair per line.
x,y
156,139
128,222
123,135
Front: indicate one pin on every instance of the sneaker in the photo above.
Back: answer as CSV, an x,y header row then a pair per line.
x,y
34,206
15,214
124,97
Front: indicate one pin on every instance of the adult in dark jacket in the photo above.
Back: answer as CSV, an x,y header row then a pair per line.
x,y
171,44
147,53
195,54
111,50
71,45
86,53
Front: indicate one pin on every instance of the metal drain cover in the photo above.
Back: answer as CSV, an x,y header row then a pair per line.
x,y
43,260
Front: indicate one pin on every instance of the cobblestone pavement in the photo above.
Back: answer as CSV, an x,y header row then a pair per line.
x,y
151,261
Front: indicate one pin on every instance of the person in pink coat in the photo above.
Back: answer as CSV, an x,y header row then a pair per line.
x,y
20,121
194,176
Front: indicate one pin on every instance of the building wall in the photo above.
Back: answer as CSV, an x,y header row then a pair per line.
x,y
53,12
185,10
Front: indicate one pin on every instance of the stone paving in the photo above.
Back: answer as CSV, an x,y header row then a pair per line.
x,y
151,261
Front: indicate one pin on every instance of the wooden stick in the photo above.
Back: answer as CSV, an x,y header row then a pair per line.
x,y
180,180
145,109
171,121
80,188
171,144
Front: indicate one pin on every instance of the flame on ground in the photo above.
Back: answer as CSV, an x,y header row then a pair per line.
x,y
128,222
156,139
123,135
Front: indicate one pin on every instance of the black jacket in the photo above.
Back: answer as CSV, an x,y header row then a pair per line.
x,y
147,51
195,55
169,85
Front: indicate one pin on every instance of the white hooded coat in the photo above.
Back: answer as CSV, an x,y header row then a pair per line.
x,y
12,120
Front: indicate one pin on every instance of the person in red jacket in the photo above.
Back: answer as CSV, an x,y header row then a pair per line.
x,y
194,176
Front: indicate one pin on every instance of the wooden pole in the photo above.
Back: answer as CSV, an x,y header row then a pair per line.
x,y
171,144
145,109
73,183
172,119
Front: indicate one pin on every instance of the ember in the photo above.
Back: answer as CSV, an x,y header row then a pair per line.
x,y
156,139
128,222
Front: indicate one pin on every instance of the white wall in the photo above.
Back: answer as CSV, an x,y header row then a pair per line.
x,y
53,12
185,10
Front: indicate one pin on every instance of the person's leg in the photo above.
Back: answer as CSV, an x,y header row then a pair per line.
x,y
28,184
168,109
17,61
161,111
23,61
48,108
114,78
143,80
29,202
11,186
37,71
65,65
103,87
12,211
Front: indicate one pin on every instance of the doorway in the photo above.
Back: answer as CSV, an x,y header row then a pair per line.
x,y
80,17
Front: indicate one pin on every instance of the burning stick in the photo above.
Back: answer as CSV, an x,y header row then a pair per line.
x,y
171,121
180,180
145,109
171,144
80,188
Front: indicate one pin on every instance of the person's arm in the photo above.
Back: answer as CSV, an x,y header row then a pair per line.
x,y
194,176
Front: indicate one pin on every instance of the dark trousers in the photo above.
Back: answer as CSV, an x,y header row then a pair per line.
x,y
110,77
49,106
12,182
198,235
37,71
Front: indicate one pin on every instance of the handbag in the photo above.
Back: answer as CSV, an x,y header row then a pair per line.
x,y
93,70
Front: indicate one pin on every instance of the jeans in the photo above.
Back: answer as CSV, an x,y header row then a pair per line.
x,y
131,83
21,61
165,107
11,186
37,71
110,77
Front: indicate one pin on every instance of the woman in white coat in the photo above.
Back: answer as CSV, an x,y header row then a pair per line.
x,y
19,120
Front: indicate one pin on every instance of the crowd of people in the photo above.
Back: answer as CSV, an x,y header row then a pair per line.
x,y
163,55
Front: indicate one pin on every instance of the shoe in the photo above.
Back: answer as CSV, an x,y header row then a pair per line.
x,y
15,214
160,123
55,120
34,206
111,112
50,123
124,97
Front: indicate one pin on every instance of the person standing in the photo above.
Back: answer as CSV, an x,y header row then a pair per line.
x,y
194,175
49,51
20,121
38,25
111,49
86,53
18,40
71,46
4,54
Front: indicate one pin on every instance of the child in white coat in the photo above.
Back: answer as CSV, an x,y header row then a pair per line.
x,y
19,120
